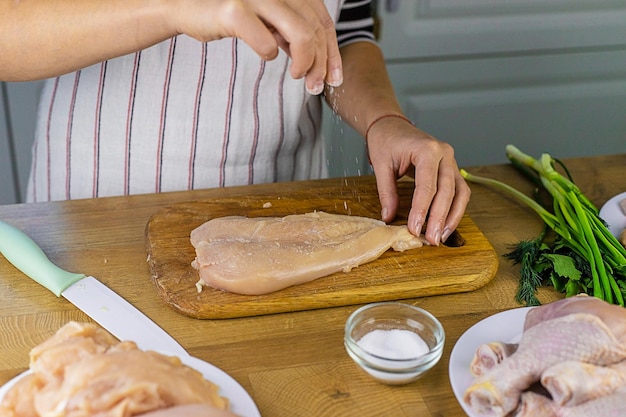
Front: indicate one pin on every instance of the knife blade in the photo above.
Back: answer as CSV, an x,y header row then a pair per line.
x,y
95,299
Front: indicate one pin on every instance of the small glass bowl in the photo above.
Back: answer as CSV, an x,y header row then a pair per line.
x,y
393,369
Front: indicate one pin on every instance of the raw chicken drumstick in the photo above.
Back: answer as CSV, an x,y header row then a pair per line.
x,y
575,329
489,355
571,383
536,405
613,316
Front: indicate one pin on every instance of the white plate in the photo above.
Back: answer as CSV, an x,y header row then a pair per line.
x,y
613,215
240,401
506,326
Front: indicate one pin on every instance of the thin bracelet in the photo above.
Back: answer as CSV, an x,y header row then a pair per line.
x,y
379,118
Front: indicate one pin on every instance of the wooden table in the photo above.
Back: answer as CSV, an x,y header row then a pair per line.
x,y
292,364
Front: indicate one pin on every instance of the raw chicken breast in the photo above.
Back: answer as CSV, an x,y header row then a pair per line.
x,y
260,255
577,336
83,371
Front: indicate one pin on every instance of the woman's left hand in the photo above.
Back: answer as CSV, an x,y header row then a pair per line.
x,y
397,148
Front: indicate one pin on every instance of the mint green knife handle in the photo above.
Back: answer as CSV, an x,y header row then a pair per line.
x,y
25,255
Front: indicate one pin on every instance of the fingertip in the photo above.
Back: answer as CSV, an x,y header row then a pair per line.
x,y
335,77
437,237
263,41
387,214
389,204
433,236
416,221
270,53
446,234
415,227
316,88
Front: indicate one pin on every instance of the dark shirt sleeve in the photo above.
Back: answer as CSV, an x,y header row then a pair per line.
x,y
356,22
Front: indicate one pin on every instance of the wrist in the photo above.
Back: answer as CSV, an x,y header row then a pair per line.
x,y
378,119
383,117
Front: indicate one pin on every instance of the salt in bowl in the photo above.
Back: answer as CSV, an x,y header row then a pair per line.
x,y
395,343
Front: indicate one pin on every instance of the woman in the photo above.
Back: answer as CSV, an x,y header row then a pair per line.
x,y
172,95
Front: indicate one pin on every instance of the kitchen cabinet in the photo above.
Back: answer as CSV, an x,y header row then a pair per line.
x,y
547,76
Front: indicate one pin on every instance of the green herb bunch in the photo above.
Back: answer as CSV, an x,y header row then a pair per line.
x,y
576,252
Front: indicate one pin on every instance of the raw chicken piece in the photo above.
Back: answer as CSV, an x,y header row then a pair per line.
x,y
576,336
536,405
612,315
489,355
571,383
19,401
260,255
71,343
125,383
97,376
191,410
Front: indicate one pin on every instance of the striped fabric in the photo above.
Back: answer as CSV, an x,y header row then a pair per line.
x,y
355,23
181,115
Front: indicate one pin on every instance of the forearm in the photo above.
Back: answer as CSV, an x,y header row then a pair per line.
x,y
366,92
45,38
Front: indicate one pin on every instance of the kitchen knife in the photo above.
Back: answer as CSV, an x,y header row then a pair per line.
x,y
99,302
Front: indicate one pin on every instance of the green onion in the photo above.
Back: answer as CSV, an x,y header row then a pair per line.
x,y
579,254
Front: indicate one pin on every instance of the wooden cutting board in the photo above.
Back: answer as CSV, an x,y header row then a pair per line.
x,y
466,263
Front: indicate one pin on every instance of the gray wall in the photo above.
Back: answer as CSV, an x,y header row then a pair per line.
x,y
18,108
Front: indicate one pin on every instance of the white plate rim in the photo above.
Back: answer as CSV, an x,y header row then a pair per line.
x,y
613,215
504,326
241,403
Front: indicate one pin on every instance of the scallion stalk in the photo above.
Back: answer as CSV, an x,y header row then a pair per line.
x,y
578,229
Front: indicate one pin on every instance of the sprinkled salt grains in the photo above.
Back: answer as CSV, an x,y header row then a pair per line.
x,y
393,344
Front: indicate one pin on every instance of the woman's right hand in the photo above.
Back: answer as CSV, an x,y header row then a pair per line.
x,y
65,35
302,28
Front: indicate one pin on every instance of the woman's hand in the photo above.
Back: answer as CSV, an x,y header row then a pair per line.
x,y
65,35
302,28
397,148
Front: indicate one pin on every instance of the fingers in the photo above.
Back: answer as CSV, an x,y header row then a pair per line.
x,y
334,68
208,21
262,41
439,199
447,206
302,28
387,193
307,33
459,204
425,189
440,195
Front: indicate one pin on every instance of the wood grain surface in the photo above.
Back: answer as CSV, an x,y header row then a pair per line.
x,y
293,364
467,261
